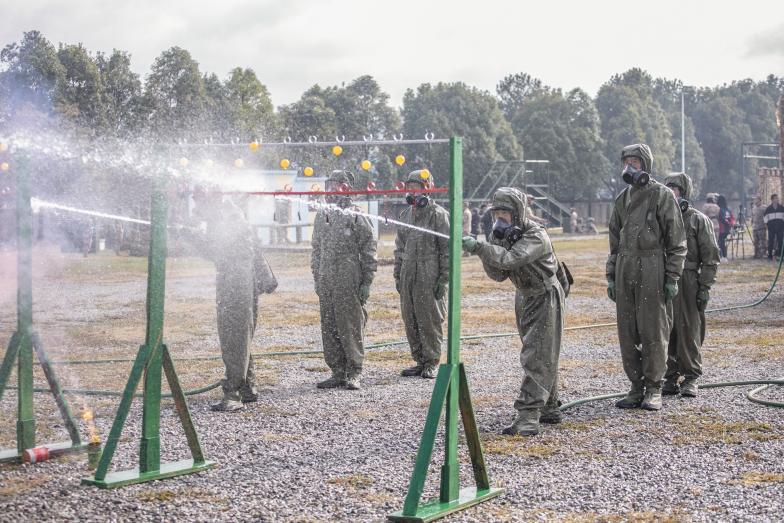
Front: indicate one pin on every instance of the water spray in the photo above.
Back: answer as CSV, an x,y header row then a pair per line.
x,y
375,217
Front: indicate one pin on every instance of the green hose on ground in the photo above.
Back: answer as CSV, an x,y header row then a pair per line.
x,y
750,395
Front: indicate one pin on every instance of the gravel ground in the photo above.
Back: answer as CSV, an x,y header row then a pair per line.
x,y
302,454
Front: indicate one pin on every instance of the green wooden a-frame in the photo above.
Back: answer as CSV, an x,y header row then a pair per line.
x,y
152,357
451,394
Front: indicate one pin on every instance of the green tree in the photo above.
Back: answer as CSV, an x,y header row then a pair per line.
x,y
721,128
515,89
32,74
174,97
630,114
565,131
455,109
249,106
80,97
668,94
122,91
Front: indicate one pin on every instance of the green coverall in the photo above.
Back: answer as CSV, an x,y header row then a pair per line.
x,y
422,265
343,260
699,273
230,243
647,249
539,301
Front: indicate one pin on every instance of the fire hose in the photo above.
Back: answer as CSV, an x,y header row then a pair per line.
x,y
751,395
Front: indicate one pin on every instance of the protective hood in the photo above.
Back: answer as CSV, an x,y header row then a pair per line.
x,y
641,151
422,176
510,199
681,180
346,177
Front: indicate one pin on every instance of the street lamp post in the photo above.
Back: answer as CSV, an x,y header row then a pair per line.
x,y
683,134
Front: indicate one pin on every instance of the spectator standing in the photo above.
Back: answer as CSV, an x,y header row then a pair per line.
x,y
774,219
726,221
711,210
487,223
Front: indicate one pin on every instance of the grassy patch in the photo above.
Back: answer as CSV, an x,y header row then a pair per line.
x,y
696,429
518,446
754,478
580,426
156,496
12,486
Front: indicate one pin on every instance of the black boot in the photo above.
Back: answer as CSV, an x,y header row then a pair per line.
x,y
653,399
633,399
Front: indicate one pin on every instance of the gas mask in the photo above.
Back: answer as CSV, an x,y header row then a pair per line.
x,y
336,199
683,203
634,176
506,232
420,200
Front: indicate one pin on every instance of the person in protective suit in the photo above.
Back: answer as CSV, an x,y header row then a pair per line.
x,y
520,250
343,264
647,251
688,307
227,239
421,275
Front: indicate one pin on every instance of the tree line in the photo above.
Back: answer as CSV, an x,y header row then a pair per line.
x,y
97,95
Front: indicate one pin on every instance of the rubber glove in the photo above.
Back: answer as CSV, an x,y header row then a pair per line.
x,y
364,293
703,296
611,289
470,244
670,289
440,290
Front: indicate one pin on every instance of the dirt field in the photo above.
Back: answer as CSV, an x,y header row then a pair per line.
x,y
301,454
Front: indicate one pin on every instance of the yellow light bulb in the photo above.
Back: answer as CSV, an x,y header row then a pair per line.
x,y
400,159
183,162
239,163
337,150
365,165
425,174
254,145
4,166
284,163
308,171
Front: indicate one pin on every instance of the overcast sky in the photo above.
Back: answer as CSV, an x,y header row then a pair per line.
x,y
293,44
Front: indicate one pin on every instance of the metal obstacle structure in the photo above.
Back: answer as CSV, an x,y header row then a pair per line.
x,y
152,358
450,394
25,340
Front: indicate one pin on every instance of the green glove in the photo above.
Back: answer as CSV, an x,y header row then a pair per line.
x,y
364,293
440,290
470,244
670,289
611,289
703,295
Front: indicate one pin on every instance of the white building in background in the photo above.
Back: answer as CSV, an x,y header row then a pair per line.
x,y
268,213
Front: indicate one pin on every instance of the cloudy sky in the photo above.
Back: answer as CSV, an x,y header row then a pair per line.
x,y
293,44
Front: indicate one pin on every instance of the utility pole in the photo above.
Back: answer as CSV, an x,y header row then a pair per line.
x,y
683,135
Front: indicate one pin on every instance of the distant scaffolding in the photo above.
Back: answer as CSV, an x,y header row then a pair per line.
x,y
769,181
